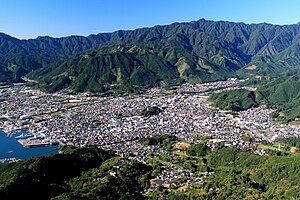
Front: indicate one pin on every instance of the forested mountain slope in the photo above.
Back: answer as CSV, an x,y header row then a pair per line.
x,y
213,46
280,92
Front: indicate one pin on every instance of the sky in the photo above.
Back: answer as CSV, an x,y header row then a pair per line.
x,y
26,19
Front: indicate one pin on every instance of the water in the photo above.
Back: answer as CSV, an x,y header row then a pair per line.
x,y
10,148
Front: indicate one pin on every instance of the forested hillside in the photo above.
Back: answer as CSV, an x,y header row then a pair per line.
x,y
90,173
144,65
280,92
209,47
235,100
283,94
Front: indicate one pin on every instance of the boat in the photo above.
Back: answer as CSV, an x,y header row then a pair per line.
x,y
24,136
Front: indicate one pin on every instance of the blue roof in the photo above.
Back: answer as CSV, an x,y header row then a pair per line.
x,y
158,181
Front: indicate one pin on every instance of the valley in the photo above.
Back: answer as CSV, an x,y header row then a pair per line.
x,y
114,123
192,110
170,141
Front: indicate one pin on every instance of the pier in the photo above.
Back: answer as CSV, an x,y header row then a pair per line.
x,y
37,142
8,160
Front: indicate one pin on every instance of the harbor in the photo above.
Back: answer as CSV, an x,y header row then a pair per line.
x,y
37,142
27,139
10,148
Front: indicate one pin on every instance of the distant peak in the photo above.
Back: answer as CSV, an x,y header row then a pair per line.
x,y
43,37
3,34
6,36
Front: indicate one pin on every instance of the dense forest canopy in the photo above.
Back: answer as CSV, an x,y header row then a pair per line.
x,y
91,173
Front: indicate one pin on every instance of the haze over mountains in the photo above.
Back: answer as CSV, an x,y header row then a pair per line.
x,y
198,51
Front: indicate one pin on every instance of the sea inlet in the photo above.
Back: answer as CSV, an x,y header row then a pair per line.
x,y
10,148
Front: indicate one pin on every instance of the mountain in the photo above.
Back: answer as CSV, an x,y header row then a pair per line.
x,y
283,93
94,69
213,48
235,100
280,92
138,65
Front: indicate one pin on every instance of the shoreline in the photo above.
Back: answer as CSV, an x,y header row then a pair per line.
x,y
10,148
8,160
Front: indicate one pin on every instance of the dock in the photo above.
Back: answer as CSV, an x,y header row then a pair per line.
x,y
36,143
8,160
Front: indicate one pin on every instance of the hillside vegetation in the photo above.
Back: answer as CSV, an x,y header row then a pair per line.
x,y
139,65
235,100
283,94
93,70
43,177
280,92
74,174
200,50
90,173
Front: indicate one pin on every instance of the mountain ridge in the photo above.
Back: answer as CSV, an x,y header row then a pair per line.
x,y
226,45
156,25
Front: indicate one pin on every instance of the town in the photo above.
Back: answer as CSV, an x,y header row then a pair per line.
x,y
114,123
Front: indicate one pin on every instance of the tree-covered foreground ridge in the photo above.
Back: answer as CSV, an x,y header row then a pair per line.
x,y
219,173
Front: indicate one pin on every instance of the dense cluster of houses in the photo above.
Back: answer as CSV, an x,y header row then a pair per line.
x,y
114,122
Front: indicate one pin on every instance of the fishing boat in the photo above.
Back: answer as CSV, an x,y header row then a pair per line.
x,y
24,136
